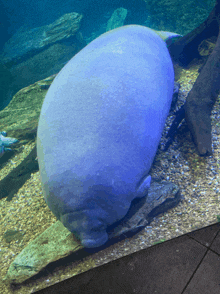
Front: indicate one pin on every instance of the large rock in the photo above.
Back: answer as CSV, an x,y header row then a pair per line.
x,y
54,243
117,19
161,197
33,55
44,64
25,44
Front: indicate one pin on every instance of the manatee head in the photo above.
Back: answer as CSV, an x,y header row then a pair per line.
x,y
87,208
89,227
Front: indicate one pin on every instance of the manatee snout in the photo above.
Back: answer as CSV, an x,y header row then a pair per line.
x,y
90,231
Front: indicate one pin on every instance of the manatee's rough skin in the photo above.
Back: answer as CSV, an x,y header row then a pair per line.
x,y
99,129
5,142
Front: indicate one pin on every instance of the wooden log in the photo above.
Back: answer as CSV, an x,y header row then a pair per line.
x,y
201,98
185,49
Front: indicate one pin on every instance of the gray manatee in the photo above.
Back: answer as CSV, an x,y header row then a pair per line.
x,y
99,129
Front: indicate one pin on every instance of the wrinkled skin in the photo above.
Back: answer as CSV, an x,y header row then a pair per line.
x,y
99,129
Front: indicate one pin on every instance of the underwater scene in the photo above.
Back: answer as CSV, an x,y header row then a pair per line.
x,y
109,132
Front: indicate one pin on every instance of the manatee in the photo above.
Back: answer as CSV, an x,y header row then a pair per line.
x,y
99,129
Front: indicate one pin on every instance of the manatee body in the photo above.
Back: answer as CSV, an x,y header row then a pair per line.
x,y
99,129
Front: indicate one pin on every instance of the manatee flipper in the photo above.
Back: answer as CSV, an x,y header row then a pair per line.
x,y
144,186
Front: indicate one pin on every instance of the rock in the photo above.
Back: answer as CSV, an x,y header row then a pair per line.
x,y
33,55
161,197
117,19
57,242
44,64
27,43
54,243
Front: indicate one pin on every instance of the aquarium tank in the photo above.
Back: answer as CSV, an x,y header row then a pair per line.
x,y
89,91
